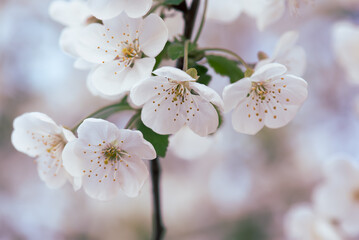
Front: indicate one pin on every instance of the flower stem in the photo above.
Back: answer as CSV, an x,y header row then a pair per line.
x,y
202,22
104,113
228,52
158,228
185,58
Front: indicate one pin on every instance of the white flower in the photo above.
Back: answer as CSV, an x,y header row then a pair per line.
x,y
108,159
75,15
224,10
287,53
345,37
118,47
337,198
173,99
106,9
302,223
37,135
267,12
270,97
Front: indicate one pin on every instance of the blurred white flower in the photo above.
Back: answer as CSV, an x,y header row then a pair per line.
x,y
292,56
37,135
270,97
75,15
173,99
188,145
225,10
337,198
302,223
118,47
345,37
267,12
106,9
108,159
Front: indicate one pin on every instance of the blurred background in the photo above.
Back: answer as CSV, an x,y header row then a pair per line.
x,y
226,186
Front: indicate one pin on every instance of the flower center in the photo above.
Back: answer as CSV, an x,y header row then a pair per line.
x,y
259,89
113,154
130,51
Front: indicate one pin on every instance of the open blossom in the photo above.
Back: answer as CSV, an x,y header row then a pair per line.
x,y
224,10
267,12
289,54
108,159
37,135
118,47
337,198
270,97
345,37
173,99
74,15
106,9
302,223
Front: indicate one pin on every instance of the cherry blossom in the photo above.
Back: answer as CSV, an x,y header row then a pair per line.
x,y
302,222
270,97
74,15
292,56
106,9
123,49
38,136
173,99
337,198
108,159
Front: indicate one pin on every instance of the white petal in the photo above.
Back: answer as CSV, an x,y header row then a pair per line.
x,y
141,70
233,93
106,9
123,27
207,93
73,13
82,64
285,43
73,159
163,115
51,171
273,10
247,117
135,144
224,11
68,39
153,36
133,176
137,8
109,78
93,42
28,131
293,90
294,60
268,71
103,187
146,90
173,73
279,115
93,131
203,119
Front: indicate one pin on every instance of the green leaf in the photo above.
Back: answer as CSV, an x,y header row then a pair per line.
x,y
172,2
159,142
220,117
225,67
176,50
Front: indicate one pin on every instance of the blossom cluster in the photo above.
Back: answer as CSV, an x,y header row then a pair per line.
x,y
118,42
